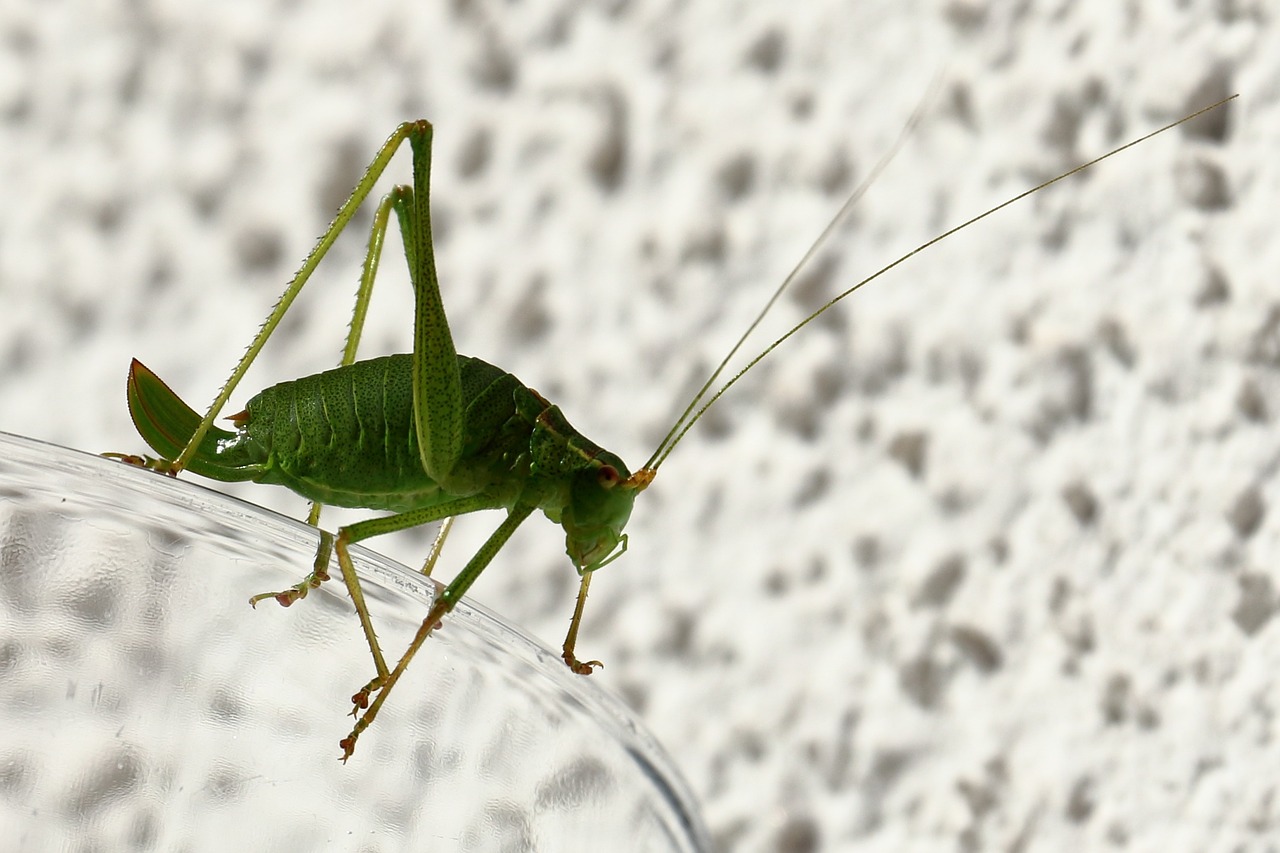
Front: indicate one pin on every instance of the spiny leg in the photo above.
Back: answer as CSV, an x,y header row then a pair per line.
x,y
376,527
408,130
429,565
445,602
571,639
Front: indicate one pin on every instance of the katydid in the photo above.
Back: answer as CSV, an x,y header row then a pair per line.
x,y
431,435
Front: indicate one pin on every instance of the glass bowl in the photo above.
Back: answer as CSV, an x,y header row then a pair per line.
x,y
146,706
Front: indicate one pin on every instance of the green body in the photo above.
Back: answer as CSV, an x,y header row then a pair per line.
x,y
347,437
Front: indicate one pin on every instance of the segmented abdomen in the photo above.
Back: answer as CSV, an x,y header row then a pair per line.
x,y
347,436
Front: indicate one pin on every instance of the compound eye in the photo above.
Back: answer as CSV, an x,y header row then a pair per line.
x,y
607,476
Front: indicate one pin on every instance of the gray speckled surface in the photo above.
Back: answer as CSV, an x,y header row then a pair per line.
x,y
982,561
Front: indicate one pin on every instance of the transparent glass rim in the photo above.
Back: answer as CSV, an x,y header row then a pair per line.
x,y
28,467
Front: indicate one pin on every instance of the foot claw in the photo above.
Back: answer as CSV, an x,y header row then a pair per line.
x,y
284,599
582,667
128,459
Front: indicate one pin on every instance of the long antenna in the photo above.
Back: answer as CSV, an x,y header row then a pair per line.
x,y
836,221
679,431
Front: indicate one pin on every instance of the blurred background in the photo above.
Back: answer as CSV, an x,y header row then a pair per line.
x,y
983,559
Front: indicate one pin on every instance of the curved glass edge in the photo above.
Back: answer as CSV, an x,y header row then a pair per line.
x,y
104,478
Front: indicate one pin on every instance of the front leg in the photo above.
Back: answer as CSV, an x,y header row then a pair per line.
x,y
571,639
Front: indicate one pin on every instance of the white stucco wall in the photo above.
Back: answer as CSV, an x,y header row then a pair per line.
x,y
983,560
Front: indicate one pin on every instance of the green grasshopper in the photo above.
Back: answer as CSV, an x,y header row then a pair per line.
x,y
435,434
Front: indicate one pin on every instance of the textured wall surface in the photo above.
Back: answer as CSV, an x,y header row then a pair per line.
x,y
982,560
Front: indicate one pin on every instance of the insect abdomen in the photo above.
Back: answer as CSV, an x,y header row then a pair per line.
x,y
347,436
